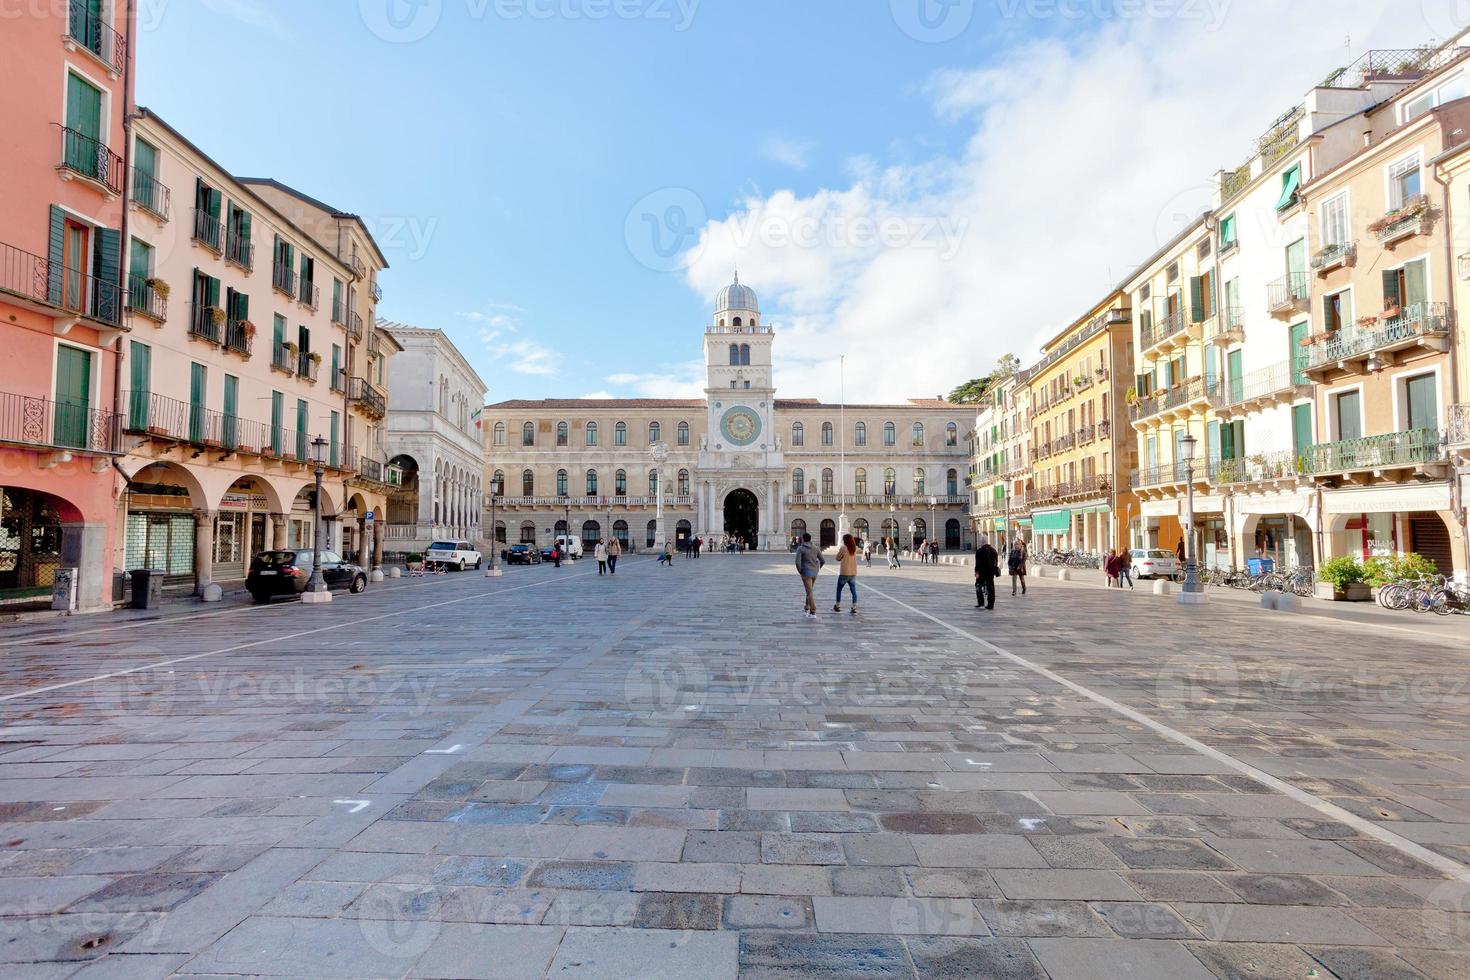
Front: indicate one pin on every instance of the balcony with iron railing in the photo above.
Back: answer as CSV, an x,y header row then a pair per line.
x,y
1369,346
1458,433
356,264
89,158
150,194
1226,327
1172,474
337,380
370,469
239,337
1086,434
1288,296
1063,443
374,344
354,327
1284,466
360,392
377,292
1409,219
1179,400
339,312
308,365
1413,449
208,231
1334,256
283,359
283,278
170,420
240,250
310,294
57,291
1170,331
1278,384
43,424
206,323
145,300
86,30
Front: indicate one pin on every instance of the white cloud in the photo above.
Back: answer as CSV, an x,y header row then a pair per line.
x,y
253,14
499,325
599,396
684,380
1081,157
791,152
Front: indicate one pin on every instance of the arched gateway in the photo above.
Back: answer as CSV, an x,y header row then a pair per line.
x,y
742,516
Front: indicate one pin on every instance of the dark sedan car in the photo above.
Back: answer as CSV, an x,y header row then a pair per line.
x,y
522,554
278,573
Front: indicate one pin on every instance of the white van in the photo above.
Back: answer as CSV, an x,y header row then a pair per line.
x,y
570,546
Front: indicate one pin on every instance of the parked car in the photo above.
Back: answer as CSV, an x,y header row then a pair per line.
x,y
1156,563
454,554
522,554
570,547
548,553
278,573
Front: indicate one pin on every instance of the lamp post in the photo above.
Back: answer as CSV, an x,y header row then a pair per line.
x,y
494,570
567,503
933,519
659,451
316,585
1192,595
893,527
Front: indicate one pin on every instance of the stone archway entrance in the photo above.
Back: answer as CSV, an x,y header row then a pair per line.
x,y
742,517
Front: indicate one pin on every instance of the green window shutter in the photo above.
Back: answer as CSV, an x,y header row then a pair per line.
x,y
1422,401
83,109
73,396
212,289
278,333
1196,299
55,251
140,369
1297,354
1212,440
277,413
1237,431
1301,427
336,362
1391,295
1416,290
301,424
145,158
245,225
1291,181
336,421
1349,416
198,382
231,422
1237,376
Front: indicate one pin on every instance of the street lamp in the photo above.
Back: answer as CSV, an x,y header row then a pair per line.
x,y
893,527
659,452
494,570
316,585
1192,594
933,519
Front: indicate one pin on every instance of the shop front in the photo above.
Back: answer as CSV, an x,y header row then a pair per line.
x,y
1162,526
1052,529
1369,522
1279,526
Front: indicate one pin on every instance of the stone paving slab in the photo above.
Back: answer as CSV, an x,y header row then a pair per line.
x,y
426,782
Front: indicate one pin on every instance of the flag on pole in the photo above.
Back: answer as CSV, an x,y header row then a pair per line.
x,y
476,417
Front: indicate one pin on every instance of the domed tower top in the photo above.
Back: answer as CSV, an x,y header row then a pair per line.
x,y
736,300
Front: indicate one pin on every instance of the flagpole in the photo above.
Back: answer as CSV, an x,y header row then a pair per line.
x,y
842,446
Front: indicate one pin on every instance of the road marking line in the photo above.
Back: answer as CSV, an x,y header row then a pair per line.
x,y
277,639
456,747
355,806
1450,867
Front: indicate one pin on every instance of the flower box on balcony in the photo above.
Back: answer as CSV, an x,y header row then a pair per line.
x,y
246,450
158,430
1411,218
211,443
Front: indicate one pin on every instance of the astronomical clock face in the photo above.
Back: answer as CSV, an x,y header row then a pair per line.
x,y
740,426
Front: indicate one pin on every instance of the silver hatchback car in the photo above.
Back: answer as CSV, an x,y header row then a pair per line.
x,y
1155,563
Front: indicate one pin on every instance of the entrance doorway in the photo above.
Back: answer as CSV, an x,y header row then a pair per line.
x,y
742,517
829,534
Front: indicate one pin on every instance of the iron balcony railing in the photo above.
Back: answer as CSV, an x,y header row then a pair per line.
x,y
1178,472
1226,325
1063,443
1393,64
1259,384
1422,320
282,359
208,231
308,367
370,469
1413,447
144,299
339,312
338,380
1087,486
206,322
310,294
1087,433
377,292
88,30
161,417
239,337
354,327
1093,327
90,158
361,392
27,420
41,281
283,278
240,250
151,195
1175,397
1261,468
374,344
1458,432
358,269
1333,255
1412,218
1288,292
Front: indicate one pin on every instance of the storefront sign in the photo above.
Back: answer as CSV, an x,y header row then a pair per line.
x,y
242,501
1387,500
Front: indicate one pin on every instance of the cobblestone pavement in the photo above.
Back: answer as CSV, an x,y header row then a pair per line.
x,y
670,773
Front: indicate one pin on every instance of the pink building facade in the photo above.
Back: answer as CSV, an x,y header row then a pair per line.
x,y
63,305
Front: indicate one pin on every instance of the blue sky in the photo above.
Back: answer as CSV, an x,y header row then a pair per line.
x,y
516,157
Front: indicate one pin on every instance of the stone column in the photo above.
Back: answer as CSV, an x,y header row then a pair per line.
x,y
204,586
278,532
376,536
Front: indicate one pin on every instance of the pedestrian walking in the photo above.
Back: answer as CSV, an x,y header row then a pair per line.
x,y
934,550
1016,565
847,570
600,553
698,545
666,557
1110,567
614,549
868,552
1125,568
890,548
987,569
556,554
809,562
1179,552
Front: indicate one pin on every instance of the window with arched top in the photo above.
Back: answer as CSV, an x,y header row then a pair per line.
x,y
951,435
736,321
528,483
918,480
798,482
497,483
528,434
744,351
890,482
655,432
827,488
683,490
561,433
620,434
500,433
798,434
734,355
826,433
952,483
683,433
860,482
918,437
620,483
561,483
860,434
591,433
591,483
890,434
528,532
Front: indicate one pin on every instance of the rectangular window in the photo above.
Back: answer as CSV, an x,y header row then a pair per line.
x,y
1337,311
140,368
278,333
1335,227
1404,182
73,397
1227,231
1297,354
198,392
1421,402
1347,412
332,441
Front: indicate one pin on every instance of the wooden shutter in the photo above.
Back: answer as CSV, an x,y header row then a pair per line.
x,y
1301,427
55,255
1416,290
1391,294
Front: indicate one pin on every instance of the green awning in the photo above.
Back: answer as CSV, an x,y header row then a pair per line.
x,y
1290,184
1052,520
1227,229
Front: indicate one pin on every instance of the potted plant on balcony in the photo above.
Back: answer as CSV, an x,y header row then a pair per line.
x,y
1343,579
215,315
290,348
1131,396
159,287
315,358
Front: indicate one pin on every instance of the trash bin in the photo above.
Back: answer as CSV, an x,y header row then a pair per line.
x,y
1260,566
147,588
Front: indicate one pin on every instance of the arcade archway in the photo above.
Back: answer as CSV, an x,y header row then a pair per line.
x,y
742,517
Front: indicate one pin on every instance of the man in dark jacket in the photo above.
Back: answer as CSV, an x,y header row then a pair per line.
x,y
809,562
987,569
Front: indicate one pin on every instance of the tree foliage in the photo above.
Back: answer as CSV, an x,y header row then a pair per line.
x,y
972,391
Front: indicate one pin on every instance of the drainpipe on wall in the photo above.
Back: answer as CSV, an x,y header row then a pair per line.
x,y
1457,501
129,114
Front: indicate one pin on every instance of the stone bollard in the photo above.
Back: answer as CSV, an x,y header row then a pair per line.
x,y
1288,603
376,575
1269,599
1163,587
212,593
1064,575
395,572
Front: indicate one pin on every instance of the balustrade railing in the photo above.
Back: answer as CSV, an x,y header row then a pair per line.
x,y
86,28
151,195
1393,449
90,158
41,281
42,423
1422,320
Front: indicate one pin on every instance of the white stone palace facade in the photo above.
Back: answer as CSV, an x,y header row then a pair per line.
x,y
740,461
